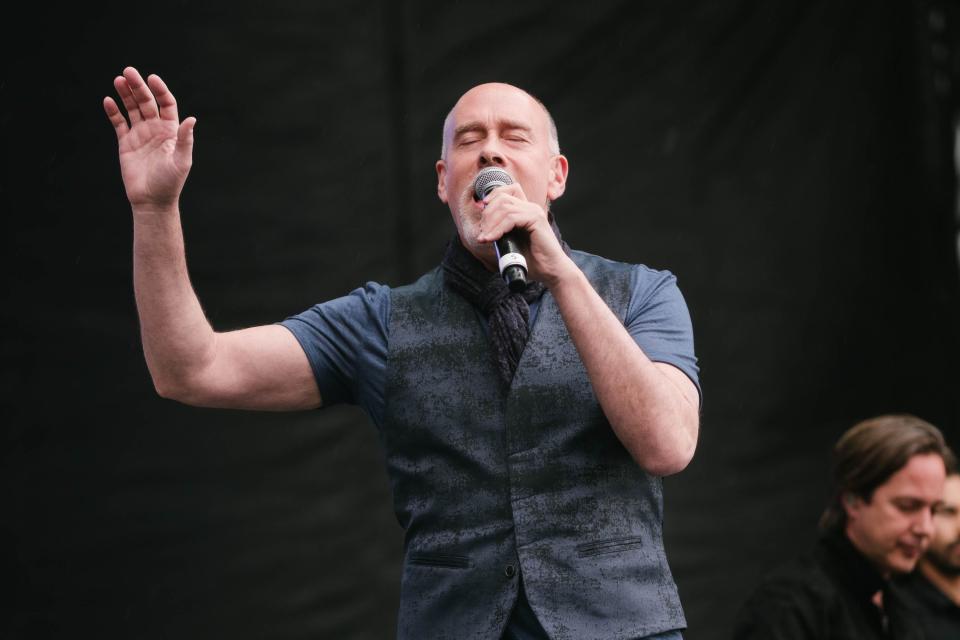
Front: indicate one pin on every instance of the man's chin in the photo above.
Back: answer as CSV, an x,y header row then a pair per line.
x,y
901,561
482,252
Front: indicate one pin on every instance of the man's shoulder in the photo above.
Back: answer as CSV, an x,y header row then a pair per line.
x,y
426,282
793,600
643,276
585,257
921,600
917,592
803,576
422,298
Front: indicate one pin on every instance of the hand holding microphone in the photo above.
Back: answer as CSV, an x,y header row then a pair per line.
x,y
512,264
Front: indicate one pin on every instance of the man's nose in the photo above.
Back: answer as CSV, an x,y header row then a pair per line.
x,y
490,155
923,524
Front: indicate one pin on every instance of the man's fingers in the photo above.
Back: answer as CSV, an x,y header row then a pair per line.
x,y
116,118
514,190
504,212
141,93
184,148
165,99
497,223
129,102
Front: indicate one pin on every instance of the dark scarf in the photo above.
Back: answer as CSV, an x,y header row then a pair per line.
x,y
508,314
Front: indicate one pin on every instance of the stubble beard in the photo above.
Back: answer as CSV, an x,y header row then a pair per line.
x,y
469,228
941,560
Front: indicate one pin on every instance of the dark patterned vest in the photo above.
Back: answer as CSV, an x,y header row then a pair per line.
x,y
490,483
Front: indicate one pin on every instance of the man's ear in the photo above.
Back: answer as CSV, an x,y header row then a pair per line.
x,y
851,504
442,181
559,166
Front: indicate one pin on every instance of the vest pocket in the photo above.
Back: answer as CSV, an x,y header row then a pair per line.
x,y
442,560
613,545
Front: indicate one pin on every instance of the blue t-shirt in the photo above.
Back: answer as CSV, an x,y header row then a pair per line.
x,y
347,339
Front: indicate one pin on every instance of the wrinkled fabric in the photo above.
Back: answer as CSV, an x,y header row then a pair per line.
x,y
936,614
507,313
825,595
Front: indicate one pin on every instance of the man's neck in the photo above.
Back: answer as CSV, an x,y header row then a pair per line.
x,y
948,585
851,535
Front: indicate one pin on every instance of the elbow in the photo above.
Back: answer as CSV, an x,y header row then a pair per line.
x,y
167,389
175,388
667,463
672,455
186,380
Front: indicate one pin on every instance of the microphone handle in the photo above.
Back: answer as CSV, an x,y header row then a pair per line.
x,y
513,266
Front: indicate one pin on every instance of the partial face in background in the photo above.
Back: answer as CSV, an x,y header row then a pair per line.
x,y
944,550
496,125
893,528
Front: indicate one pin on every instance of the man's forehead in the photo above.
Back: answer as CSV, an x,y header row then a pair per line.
x,y
923,473
496,100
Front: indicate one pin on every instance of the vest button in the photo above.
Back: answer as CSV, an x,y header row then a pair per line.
x,y
510,571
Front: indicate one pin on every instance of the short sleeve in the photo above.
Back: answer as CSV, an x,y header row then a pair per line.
x,y
659,321
346,342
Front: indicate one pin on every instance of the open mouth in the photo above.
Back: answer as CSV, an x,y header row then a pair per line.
x,y
470,196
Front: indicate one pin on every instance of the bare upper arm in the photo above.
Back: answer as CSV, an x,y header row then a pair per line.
x,y
257,368
690,404
683,382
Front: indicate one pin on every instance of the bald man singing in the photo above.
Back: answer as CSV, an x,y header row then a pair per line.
x,y
525,431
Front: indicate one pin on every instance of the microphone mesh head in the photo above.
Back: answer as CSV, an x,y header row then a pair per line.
x,y
489,179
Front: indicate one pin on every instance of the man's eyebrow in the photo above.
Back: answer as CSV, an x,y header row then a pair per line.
x,y
907,500
510,125
468,128
513,125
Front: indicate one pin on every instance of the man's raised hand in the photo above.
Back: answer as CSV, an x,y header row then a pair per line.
x,y
156,149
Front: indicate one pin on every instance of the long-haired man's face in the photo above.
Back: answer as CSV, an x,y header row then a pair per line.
x,y
893,528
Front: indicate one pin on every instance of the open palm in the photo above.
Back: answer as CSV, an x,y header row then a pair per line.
x,y
156,149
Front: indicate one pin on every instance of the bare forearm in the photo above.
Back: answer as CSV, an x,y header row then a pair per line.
x,y
177,338
255,368
649,412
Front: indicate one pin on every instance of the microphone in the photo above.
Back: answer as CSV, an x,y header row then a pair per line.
x,y
513,266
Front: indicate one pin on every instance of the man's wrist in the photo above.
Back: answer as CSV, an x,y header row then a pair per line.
x,y
152,214
567,274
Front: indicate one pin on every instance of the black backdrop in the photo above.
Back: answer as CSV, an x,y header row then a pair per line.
x,y
790,162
